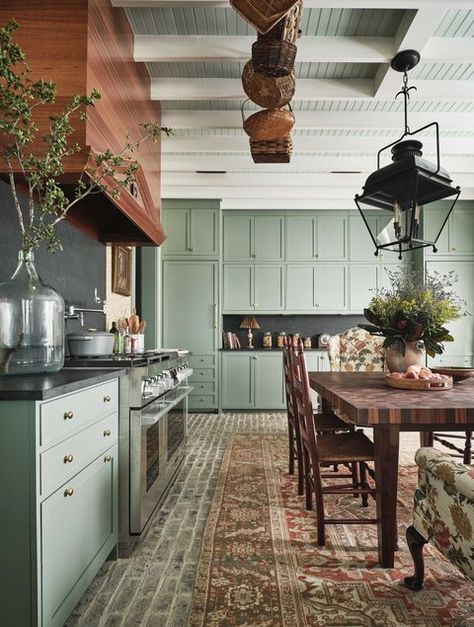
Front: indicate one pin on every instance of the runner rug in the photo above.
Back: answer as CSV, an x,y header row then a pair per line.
x,y
260,563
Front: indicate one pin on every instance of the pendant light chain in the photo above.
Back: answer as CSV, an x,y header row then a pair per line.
x,y
405,90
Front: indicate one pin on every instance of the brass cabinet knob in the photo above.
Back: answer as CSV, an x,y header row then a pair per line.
x,y
107,432
108,458
202,359
107,399
68,492
68,415
254,256
254,357
191,249
316,255
68,459
202,387
201,373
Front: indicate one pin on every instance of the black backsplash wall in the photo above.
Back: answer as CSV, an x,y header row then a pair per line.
x,y
73,272
305,325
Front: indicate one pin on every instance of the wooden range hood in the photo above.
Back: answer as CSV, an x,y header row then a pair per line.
x,y
83,45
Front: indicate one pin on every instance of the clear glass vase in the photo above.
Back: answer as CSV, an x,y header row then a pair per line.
x,y
31,322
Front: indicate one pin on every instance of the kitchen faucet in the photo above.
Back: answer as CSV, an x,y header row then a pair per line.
x,y
77,313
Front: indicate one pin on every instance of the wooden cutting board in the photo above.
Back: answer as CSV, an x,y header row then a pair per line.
x,y
430,385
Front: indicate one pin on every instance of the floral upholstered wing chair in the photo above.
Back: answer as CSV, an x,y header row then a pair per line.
x,y
356,350
443,513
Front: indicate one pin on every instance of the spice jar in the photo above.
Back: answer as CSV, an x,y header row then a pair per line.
x,y
281,339
267,340
307,342
294,339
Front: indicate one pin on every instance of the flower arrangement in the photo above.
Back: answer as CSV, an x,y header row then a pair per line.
x,y
415,309
48,203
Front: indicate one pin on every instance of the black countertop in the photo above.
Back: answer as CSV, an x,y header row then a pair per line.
x,y
41,387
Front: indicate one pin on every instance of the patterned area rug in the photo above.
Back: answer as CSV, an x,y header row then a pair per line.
x,y
260,563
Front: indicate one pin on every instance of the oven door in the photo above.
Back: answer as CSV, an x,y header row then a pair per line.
x,y
150,470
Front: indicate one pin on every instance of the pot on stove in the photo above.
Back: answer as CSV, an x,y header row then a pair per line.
x,y
90,343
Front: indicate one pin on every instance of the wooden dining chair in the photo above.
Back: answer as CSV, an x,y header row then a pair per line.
x,y
350,450
454,449
323,423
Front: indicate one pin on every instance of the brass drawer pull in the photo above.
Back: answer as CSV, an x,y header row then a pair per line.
x,y
68,459
108,458
107,432
68,415
68,492
107,399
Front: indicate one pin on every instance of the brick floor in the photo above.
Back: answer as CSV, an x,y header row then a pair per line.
x,y
154,585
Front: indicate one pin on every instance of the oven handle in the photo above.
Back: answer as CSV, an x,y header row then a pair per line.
x,y
185,390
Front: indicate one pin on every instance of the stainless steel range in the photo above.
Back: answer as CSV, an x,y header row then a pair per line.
x,y
152,445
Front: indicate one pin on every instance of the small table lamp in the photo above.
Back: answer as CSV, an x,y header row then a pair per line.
x,y
249,323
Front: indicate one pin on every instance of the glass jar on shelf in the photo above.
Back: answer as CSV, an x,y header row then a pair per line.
x,y
267,340
281,339
294,339
307,342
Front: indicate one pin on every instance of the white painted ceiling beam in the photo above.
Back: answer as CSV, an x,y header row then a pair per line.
x,y
357,120
328,143
311,164
309,4
164,48
306,89
231,89
160,48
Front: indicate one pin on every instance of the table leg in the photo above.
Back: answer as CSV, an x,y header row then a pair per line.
x,y
386,442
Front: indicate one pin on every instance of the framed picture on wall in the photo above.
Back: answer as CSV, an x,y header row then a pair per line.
x,y
121,270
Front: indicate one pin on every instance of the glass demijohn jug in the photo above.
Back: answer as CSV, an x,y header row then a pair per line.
x,y
31,322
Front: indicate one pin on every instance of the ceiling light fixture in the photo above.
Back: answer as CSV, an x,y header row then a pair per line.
x,y
406,186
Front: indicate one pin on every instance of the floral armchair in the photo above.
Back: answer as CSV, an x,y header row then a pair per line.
x,y
356,350
443,513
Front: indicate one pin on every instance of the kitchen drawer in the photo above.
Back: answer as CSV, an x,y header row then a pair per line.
x,y
203,387
201,402
69,414
201,361
63,461
203,374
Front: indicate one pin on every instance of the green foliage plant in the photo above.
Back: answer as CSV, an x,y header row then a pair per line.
x,y
415,309
48,202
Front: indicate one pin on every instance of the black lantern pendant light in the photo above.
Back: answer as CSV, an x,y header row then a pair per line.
x,y
406,186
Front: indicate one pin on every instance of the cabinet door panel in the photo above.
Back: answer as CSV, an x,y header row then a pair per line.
x,y
268,238
300,238
204,232
462,231
330,290
237,238
299,288
362,286
269,391
268,287
189,305
177,232
432,221
71,540
238,292
361,245
237,381
331,237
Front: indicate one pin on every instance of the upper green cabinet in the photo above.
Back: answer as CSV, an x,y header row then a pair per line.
x,y
321,237
361,246
253,238
191,232
318,288
457,235
253,287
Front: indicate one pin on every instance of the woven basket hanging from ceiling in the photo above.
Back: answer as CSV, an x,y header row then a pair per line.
x,y
287,29
273,57
270,124
263,14
269,92
274,151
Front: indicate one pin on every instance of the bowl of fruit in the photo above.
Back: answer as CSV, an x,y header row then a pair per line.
x,y
419,378
457,373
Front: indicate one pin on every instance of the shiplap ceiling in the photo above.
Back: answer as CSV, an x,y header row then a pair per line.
x,y
344,103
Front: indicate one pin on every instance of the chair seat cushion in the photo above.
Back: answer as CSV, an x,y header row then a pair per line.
x,y
337,448
330,422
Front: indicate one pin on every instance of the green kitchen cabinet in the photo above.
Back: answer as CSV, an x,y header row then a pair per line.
x,y
456,238
317,287
322,237
362,285
361,246
191,321
253,287
191,232
253,238
238,386
461,351
269,381
59,500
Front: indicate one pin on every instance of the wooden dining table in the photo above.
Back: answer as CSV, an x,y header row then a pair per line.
x,y
366,400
